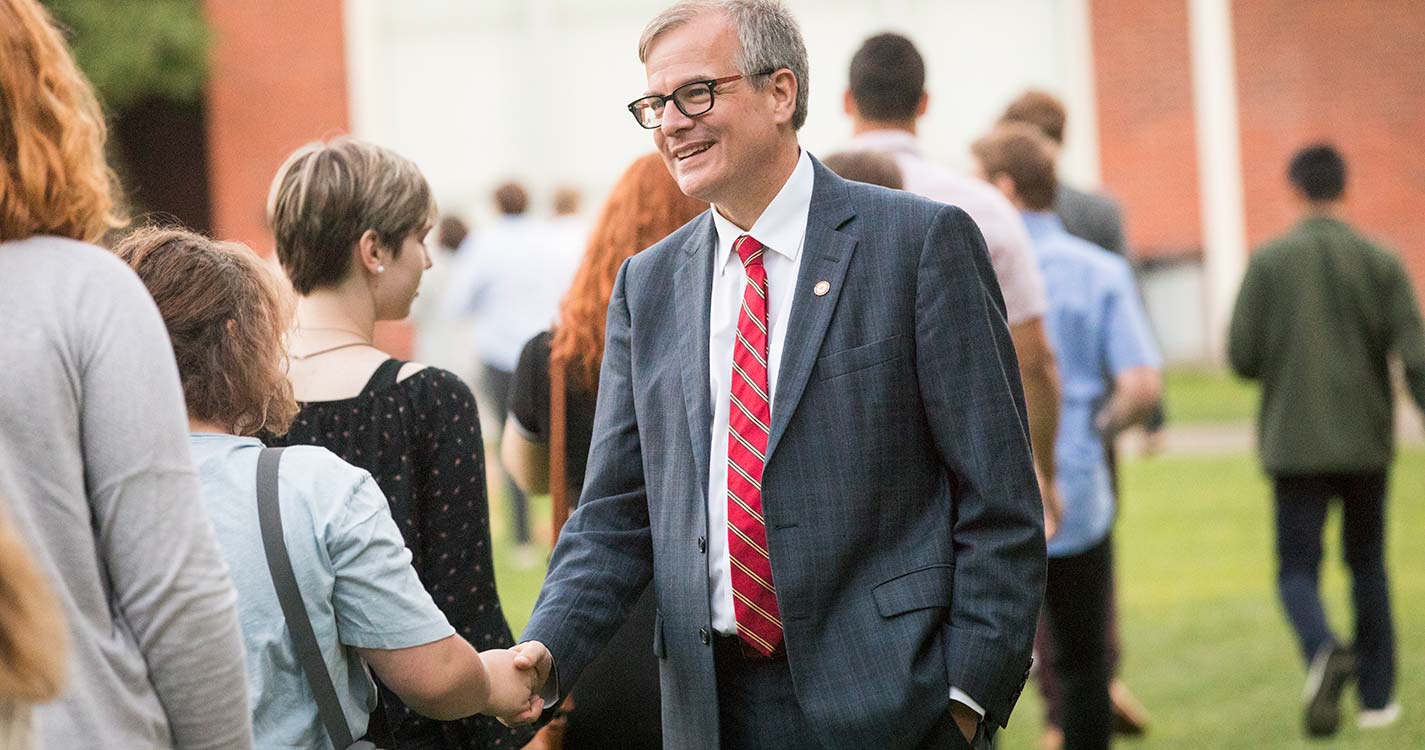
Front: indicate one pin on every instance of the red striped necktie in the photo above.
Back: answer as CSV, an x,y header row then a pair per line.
x,y
749,419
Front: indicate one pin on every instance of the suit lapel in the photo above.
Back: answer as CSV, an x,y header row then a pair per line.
x,y
692,284
826,254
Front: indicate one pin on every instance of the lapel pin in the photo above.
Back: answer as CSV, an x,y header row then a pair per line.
x,y
821,288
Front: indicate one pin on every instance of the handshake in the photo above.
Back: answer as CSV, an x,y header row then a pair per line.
x,y
517,678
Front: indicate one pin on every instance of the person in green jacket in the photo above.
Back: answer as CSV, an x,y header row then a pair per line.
x,y
1320,314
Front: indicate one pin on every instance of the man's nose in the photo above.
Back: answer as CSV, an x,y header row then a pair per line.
x,y
674,121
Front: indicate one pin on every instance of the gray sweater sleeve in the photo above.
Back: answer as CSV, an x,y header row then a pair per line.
x,y
165,570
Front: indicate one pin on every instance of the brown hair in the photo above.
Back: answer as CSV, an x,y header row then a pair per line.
x,y
53,176
32,631
1022,152
1040,109
644,206
887,78
511,198
326,195
871,167
566,200
226,314
450,231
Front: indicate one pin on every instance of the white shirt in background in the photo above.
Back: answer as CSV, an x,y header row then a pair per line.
x,y
511,277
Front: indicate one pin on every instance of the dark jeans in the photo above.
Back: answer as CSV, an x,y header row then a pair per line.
x,y
497,389
1076,610
1047,653
1302,504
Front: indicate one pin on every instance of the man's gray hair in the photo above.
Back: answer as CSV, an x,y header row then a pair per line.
x,y
766,31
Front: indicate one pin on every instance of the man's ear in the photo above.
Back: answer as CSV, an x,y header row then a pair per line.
x,y
922,105
784,92
1005,184
848,105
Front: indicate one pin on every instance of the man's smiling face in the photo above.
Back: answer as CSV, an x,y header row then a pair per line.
x,y
707,154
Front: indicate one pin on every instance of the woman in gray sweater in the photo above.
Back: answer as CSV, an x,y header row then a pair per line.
x,y
94,459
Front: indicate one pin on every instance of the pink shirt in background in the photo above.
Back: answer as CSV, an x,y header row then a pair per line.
x,y
1019,279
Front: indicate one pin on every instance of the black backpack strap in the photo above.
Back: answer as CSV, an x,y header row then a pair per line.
x,y
309,652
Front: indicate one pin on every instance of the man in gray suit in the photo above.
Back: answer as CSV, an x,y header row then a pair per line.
x,y
1091,216
810,435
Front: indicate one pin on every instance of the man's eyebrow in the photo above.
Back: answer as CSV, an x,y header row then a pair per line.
x,y
695,78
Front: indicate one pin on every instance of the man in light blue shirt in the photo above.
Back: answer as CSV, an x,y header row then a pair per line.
x,y
1109,368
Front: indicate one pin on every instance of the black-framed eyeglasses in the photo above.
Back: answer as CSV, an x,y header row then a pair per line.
x,y
692,99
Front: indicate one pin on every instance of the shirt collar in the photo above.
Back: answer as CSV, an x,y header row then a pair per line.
x,y
1040,223
887,140
783,224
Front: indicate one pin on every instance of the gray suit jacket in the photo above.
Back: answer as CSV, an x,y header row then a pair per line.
x,y
1091,216
902,511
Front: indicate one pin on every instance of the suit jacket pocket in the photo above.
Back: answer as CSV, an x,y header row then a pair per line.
x,y
923,588
660,649
857,358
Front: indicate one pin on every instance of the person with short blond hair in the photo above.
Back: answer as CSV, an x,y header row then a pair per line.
x,y
94,459
350,219
227,315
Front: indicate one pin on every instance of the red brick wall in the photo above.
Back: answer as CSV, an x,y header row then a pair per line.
x,y
278,80
1147,147
1351,73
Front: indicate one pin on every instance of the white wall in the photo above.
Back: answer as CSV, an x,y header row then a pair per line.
x,y
480,91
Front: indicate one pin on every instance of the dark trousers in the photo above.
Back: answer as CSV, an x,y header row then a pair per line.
x,y
1076,612
757,704
1046,653
497,389
1302,503
758,708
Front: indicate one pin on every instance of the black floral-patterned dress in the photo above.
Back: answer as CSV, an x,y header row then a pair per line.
x,y
420,439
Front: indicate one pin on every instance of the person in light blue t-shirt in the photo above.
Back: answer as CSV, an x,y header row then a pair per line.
x,y
226,318
1111,381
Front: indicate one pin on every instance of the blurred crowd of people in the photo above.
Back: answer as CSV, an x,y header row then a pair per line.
x,y
181,425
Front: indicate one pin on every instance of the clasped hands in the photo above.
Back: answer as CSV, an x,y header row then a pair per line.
x,y
517,678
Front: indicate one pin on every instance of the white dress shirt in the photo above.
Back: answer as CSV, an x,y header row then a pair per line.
x,y
782,229
1005,236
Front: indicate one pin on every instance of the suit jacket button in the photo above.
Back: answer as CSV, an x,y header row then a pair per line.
x,y
702,545
704,636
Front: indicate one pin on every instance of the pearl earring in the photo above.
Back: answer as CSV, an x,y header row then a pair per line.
x,y
380,269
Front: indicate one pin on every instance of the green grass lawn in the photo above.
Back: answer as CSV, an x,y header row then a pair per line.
x,y
1205,644
1195,396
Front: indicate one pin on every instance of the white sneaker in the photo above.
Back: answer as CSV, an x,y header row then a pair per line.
x,y
1378,717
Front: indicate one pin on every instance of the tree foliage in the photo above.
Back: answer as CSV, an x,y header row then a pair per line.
x,y
138,49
